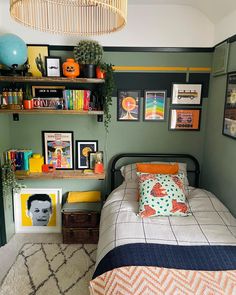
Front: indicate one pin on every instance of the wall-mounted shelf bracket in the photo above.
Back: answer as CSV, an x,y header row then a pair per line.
x,y
15,117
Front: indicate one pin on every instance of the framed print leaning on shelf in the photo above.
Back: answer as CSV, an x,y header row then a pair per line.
x,y
185,119
128,105
58,149
229,121
53,66
154,105
83,149
38,210
186,94
36,59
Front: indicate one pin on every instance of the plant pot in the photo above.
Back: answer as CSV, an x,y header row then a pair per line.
x,y
28,104
88,71
100,73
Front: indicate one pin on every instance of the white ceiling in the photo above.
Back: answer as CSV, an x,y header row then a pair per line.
x,y
215,10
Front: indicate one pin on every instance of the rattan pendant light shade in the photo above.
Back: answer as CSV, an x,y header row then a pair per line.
x,y
78,17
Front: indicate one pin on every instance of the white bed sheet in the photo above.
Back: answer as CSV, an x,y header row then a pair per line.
x,y
210,223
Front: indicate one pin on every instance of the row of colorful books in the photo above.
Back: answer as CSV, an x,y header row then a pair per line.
x,y
19,158
76,99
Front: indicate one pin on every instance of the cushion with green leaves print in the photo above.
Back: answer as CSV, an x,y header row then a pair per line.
x,y
162,195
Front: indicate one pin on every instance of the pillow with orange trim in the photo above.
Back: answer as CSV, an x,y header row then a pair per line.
x,y
158,168
172,168
162,195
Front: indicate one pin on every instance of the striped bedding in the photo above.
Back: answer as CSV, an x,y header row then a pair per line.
x,y
210,223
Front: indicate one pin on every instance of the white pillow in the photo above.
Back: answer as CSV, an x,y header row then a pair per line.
x,y
129,171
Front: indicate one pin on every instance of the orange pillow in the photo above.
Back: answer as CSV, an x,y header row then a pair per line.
x,y
158,168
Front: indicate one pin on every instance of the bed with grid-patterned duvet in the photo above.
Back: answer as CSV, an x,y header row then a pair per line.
x,y
192,254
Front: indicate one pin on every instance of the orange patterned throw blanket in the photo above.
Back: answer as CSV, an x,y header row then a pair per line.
x,y
145,280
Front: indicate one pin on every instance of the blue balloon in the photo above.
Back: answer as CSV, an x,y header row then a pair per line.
x,y
13,50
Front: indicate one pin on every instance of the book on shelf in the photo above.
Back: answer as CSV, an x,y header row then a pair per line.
x,y
76,99
19,158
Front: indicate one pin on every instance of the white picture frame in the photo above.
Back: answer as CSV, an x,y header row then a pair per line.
x,y
186,94
38,210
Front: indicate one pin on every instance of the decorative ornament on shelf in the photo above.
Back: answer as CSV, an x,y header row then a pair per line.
x,y
88,54
71,68
13,52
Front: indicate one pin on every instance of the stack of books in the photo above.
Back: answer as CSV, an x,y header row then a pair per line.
x,y
76,99
19,158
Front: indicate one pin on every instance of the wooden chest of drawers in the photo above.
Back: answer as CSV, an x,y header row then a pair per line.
x,y
80,227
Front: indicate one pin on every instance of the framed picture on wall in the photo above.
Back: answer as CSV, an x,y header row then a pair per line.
x,y
38,210
53,66
186,94
229,121
184,119
154,105
36,59
83,150
58,149
128,105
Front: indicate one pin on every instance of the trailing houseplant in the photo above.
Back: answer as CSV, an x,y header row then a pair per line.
x,y
88,54
9,181
106,90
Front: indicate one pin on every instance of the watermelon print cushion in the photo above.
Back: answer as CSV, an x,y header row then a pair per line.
x,y
162,195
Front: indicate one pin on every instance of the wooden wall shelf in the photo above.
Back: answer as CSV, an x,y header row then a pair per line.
x,y
64,80
50,112
62,174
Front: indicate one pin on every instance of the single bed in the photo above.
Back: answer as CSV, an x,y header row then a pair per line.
x,y
163,254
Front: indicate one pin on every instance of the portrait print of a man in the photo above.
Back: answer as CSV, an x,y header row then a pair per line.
x,y
39,209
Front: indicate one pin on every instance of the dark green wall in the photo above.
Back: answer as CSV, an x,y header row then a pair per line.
x,y
123,136
219,159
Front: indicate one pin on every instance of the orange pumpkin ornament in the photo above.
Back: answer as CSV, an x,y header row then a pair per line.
x,y
70,68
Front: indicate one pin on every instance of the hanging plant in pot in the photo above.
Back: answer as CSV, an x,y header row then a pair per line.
x,y
88,54
105,91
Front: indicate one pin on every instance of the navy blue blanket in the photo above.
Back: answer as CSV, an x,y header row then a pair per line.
x,y
169,256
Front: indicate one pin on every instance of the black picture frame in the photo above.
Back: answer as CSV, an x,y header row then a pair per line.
x,y
154,105
53,66
229,117
186,94
185,119
83,148
129,99
58,149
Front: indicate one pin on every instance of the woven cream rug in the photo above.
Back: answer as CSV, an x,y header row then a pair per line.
x,y
53,269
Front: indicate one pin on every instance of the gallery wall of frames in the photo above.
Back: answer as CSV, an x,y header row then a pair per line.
x,y
175,98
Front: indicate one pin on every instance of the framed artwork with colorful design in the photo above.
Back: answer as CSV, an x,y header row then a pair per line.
x,y
154,105
128,105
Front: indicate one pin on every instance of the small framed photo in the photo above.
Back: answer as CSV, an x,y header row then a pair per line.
x,y
53,66
154,105
186,94
95,157
128,105
58,149
185,119
229,120
83,150
38,210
